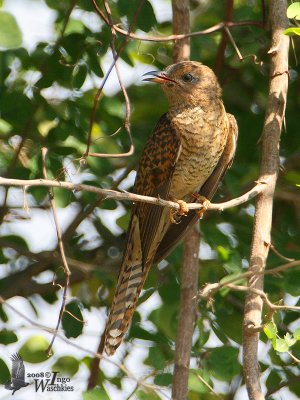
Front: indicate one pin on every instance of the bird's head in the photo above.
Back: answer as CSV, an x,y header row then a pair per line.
x,y
187,83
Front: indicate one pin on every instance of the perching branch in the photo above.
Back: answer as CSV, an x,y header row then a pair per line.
x,y
116,195
264,204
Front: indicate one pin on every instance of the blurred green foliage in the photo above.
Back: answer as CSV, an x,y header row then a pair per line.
x,y
46,98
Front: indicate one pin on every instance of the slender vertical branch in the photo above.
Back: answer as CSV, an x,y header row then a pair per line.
x,y
181,25
261,240
61,250
187,314
222,46
189,272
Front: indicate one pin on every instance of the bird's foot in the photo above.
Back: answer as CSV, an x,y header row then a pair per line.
x,y
183,208
176,214
205,204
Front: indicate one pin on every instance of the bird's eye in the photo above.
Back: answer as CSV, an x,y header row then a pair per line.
x,y
188,78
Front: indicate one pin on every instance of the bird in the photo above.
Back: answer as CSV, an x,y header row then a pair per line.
x,y
17,380
185,158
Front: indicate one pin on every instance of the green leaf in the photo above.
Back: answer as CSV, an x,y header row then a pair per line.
x,y
146,18
123,221
95,394
34,349
196,384
280,345
223,253
156,358
227,319
72,326
292,31
74,26
291,283
10,34
4,372
66,365
7,337
273,379
293,10
270,329
163,379
140,395
79,75
296,334
17,240
3,315
204,333
5,127
290,340
223,363
165,320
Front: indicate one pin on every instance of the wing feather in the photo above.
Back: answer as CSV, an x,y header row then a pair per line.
x,y
145,229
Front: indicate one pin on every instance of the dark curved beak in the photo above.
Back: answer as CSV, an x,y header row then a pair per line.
x,y
157,77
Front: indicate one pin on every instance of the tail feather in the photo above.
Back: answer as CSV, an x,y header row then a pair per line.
x,y
125,302
130,283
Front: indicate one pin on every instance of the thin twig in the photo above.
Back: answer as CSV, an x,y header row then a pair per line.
x,y
275,251
169,38
44,328
264,297
113,194
116,56
208,385
127,102
241,58
210,289
61,249
222,46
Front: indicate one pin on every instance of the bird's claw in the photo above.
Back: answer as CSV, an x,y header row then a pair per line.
x,y
183,210
205,204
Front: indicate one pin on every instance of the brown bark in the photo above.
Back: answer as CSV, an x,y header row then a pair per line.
x,y
187,314
264,204
222,46
181,25
189,272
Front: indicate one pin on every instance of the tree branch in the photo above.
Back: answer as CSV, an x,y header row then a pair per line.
x,y
190,266
173,37
222,46
263,215
67,271
211,288
116,195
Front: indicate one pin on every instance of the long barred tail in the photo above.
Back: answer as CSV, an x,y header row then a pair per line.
x,y
130,283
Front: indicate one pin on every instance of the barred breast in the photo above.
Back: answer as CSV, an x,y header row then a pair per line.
x,y
203,136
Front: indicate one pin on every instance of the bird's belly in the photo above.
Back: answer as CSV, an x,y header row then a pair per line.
x,y
195,165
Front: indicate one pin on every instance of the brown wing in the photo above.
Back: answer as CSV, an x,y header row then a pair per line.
x,y
154,176
176,233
